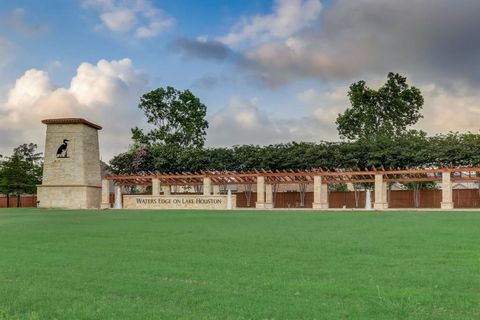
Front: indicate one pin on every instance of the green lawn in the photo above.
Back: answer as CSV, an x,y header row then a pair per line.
x,y
238,265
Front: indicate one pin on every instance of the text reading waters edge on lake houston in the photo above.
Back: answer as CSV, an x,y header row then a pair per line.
x,y
177,201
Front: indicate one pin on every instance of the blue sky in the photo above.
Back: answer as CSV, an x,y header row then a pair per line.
x,y
268,71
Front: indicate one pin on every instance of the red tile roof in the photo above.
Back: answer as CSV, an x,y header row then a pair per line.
x,y
72,121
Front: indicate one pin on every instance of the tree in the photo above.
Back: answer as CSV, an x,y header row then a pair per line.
x,y
123,163
387,111
178,117
21,172
412,149
29,153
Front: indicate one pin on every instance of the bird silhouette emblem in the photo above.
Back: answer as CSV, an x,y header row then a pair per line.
x,y
62,151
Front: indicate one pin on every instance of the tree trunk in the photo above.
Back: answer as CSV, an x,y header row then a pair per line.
x,y
356,194
275,189
416,195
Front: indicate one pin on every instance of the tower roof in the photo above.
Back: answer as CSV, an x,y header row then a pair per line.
x,y
72,121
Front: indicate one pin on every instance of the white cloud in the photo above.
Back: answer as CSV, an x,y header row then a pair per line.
x,y
289,16
243,121
431,39
105,82
452,109
119,20
157,23
106,93
33,85
455,108
141,18
326,105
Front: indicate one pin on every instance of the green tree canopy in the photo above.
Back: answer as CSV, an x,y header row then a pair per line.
x,y
178,118
22,171
409,150
376,125
386,111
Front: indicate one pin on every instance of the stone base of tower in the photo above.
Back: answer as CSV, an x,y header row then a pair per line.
x,y
69,197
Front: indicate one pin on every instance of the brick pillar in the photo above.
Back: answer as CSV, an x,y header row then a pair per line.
x,y
105,194
320,193
260,193
447,191
155,187
269,196
380,193
207,186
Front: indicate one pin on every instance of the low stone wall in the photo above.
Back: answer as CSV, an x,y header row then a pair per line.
x,y
177,202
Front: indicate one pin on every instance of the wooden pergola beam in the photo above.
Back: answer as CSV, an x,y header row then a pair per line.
x,y
293,177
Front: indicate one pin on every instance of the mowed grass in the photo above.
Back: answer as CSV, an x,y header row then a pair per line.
x,y
238,265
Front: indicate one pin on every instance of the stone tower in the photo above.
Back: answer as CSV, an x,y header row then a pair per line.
x,y
71,170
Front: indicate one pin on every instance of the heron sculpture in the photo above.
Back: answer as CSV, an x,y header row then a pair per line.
x,y
62,150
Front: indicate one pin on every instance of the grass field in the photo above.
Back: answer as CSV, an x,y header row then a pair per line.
x,y
238,265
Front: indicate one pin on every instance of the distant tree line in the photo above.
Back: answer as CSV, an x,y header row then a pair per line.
x,y
374,132
410,150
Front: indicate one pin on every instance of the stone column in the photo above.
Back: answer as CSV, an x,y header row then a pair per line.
x,y
118,198
71,170
320,193
207,186
156,187
269,196
260,204
166,190
381,201
105,194
447,191
229,200
216,189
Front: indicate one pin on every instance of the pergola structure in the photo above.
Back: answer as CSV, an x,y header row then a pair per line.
x,y
265,180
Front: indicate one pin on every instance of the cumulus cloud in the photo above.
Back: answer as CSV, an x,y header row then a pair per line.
x,y
106,93
325,106
17,21
427,38
289,16
33,85
447,108
433,42
243,121
450,109
140,18
119,19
